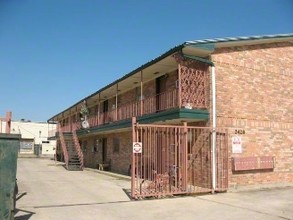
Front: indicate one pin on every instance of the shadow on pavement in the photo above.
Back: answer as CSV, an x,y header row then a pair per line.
x,y
127,192
22,214
21,195
25,215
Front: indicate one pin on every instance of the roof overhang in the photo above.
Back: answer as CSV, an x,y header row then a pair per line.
x,y
211,44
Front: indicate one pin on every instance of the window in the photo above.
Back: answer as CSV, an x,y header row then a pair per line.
x,y
97,143
84,146
116,145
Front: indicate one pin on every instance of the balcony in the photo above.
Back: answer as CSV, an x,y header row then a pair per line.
x,y
190,94
148,105
152,104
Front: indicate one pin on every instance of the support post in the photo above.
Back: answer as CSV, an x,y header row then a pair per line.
x,y
133,159
185,156
179,86
141,93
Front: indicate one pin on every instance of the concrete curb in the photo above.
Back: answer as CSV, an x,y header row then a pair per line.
x,y
116,175
34,156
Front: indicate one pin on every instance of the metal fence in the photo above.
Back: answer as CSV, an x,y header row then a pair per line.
x,y
177,160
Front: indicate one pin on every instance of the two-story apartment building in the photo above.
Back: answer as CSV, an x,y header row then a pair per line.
x,y
209,115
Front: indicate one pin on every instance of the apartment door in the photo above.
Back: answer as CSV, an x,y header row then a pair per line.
x,y
161,87
105,111
104,151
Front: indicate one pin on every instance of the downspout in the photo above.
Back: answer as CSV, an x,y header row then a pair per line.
x,y
214,172
141,94
214,116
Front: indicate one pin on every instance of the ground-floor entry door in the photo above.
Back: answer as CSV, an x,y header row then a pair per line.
x,y
176,160
104,150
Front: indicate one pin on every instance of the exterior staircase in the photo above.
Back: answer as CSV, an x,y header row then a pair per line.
x,y
74,162
72,152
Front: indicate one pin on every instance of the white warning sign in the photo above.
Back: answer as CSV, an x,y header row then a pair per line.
x,y
137,147
236,145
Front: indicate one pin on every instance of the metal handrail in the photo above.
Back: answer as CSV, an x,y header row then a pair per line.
x,y
63,146
78,148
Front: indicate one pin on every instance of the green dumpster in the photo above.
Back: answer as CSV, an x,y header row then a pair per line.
x,y
9,145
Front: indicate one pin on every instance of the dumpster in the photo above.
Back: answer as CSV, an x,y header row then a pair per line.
x,y
9,146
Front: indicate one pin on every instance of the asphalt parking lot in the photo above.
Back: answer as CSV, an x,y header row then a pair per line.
x,y
48,191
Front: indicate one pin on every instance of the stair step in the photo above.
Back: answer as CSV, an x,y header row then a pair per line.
x,y
74,161
72,153
75,167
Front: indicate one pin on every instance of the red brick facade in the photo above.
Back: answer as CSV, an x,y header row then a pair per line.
x,y
118,159
255,94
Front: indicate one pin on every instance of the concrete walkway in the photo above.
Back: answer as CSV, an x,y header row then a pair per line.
x,y
48,191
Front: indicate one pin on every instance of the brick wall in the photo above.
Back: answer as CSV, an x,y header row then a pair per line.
x,y
149,88
119,160
129,96
255,94
91,158
171,80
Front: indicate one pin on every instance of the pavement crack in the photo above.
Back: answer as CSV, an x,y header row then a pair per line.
x,y
77,204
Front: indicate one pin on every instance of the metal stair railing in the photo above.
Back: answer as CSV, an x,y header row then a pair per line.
x,y
63,146
78,148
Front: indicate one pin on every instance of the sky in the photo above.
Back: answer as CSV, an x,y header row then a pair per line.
x,y
53,53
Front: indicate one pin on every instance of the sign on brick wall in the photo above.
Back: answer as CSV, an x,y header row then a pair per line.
x,y
236,145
